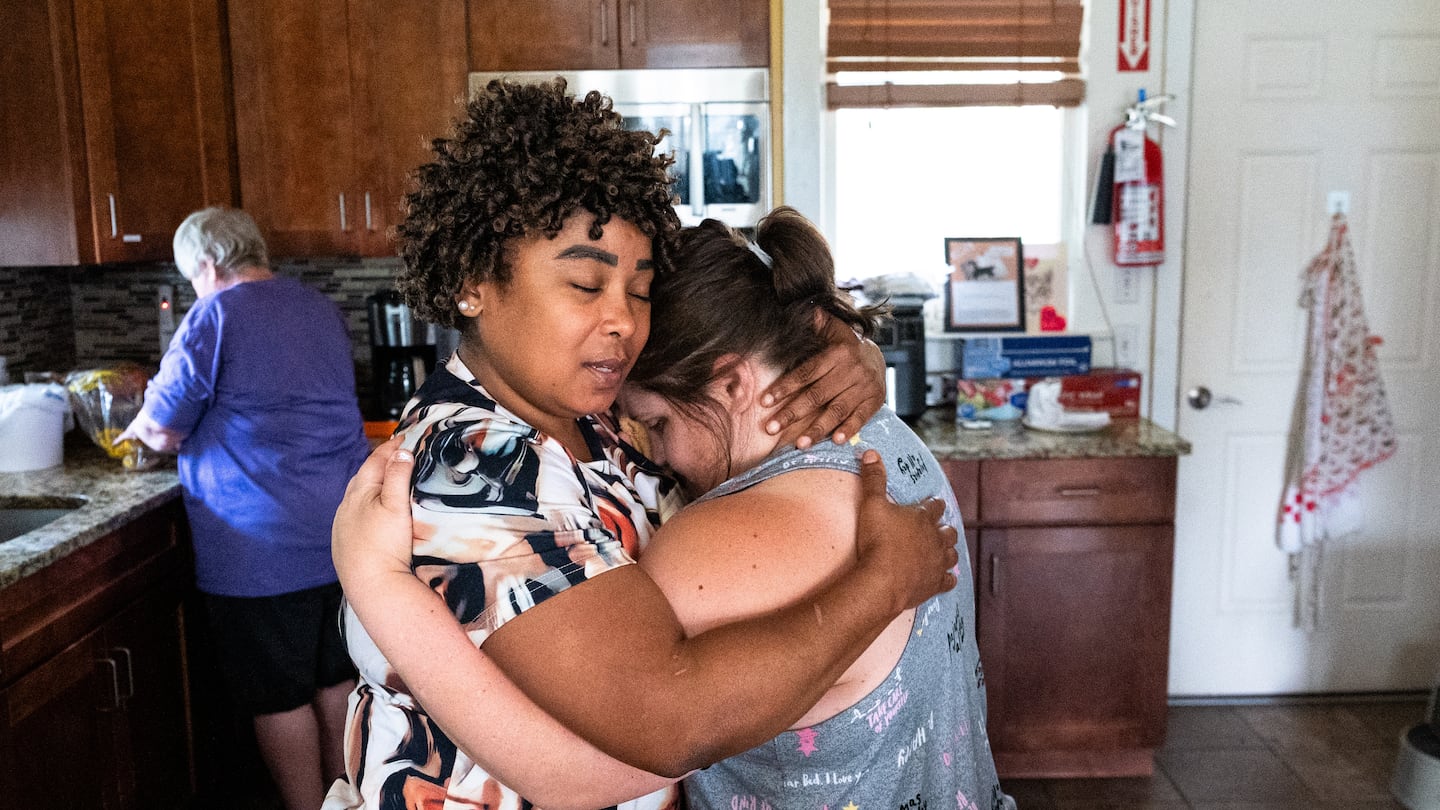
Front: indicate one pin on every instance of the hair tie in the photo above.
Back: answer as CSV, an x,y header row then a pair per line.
x,y
761,254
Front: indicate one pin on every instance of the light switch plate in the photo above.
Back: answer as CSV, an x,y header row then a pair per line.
x,y
1127,345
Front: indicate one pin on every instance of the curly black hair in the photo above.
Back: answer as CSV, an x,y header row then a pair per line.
x,y
522,160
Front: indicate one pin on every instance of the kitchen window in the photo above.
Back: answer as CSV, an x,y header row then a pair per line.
x,y
908,177
953,119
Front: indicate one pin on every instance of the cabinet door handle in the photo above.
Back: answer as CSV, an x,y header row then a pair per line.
x,y
129,673
369,224
109,663
1080,492
994,575
114,223
632,23
344,226
604,22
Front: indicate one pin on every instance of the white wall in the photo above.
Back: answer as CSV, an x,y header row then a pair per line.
x,y
803,92
1153,319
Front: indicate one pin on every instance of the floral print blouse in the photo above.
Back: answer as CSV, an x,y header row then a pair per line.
x,y
505,517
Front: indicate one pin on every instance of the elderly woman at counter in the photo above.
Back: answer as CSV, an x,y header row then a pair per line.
x,y
256,394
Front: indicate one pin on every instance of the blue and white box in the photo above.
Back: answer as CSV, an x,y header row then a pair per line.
x,y
1024,356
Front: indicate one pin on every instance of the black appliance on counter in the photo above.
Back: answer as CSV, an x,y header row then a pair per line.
x,y
402,353
901,338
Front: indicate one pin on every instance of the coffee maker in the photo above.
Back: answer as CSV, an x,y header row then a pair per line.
x,y
402,353
901,338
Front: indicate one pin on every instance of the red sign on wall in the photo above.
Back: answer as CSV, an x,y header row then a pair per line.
x,y
1134,39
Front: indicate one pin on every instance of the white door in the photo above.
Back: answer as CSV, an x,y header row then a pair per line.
x,y
1291,100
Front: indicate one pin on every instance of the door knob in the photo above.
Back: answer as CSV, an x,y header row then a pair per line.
x,y
1200,398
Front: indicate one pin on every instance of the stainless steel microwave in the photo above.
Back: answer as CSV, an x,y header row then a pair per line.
x,y
719,131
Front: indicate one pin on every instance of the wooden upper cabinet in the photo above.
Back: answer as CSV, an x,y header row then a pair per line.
x,y
544,35
607,34
688,33
409,74
157,128
42,168
114,127
335,102
291,67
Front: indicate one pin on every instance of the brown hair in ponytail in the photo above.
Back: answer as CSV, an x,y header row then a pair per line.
x,y
724,298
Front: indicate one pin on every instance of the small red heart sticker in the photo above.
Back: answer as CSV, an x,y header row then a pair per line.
x,y
1051,321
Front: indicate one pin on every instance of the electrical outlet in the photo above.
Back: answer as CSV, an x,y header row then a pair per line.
x,y
1127,284
1127,345
165,310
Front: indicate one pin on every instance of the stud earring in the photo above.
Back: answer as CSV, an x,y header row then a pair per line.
x,y
465,306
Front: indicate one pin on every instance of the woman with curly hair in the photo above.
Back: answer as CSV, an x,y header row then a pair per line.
x,y
538,231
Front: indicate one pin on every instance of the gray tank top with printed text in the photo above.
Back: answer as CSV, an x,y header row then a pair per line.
x,y
917,741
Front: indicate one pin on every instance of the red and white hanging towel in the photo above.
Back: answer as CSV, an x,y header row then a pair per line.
x,y
1341,424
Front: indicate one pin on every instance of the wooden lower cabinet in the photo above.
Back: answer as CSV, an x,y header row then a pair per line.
x,y
54,739
1073,572
94,696
1074,638
153,740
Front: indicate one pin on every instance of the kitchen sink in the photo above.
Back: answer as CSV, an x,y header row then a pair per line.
x,y
19,515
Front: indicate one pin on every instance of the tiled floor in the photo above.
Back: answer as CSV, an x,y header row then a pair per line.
x,y
1297,756
1306,756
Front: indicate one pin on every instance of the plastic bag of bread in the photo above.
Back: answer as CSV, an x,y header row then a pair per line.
x,y
105,400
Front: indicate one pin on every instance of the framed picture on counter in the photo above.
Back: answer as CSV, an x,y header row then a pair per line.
x,y
985,291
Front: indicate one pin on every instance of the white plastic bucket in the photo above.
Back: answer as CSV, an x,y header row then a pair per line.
x,y
32,426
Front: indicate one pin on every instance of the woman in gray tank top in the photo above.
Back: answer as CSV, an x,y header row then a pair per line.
x,y
905,726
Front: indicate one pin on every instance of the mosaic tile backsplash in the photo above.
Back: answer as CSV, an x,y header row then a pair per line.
x,y
37,331
59,319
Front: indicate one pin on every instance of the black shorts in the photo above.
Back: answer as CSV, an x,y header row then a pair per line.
x,y
276,652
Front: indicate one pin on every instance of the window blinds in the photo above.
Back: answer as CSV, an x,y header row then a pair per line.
x,y
954,52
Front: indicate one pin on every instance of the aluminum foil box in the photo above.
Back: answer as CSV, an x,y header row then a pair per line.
x,y
1023,356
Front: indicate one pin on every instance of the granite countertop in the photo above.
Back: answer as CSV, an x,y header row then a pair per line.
x,y
1011,440
113,498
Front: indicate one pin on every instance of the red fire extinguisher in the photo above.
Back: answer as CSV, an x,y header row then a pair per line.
x,y
1135,185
